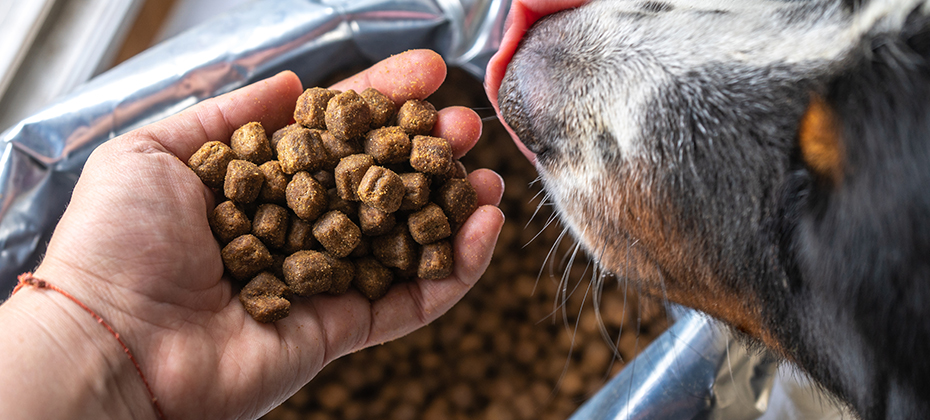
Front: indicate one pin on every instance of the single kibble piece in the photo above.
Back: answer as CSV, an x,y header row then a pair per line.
x,y
458,199
435,261
372,278
349,173
343,273
243,181
280,133
348,208
382,108
325,178
339,149
245,257
228,221
305,196
273,190
210,162
311,107
347,115
458,170
270,225
417,117
251,143
301,150
416,191
388,145
265,298
382,189
336,232
307,273
373,221
299,236
429,225
431,155
396,249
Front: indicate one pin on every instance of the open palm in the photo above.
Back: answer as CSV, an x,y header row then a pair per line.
x,y
136,246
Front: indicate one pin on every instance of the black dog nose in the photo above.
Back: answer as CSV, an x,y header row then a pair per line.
x,y
516,110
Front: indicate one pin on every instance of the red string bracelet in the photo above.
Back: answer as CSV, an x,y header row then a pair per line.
x,y
27,279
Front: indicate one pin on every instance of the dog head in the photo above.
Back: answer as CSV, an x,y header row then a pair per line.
x,y
762,161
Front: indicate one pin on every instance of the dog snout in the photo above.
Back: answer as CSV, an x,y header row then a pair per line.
x,y
516,113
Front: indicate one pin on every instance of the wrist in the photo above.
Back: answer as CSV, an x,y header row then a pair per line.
x,y
61,363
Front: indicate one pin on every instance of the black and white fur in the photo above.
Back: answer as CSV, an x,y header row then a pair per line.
x,y
667,136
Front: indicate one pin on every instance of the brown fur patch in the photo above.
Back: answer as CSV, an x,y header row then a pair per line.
x,y
819,138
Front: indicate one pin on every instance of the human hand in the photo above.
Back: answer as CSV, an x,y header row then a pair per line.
x,y
135,246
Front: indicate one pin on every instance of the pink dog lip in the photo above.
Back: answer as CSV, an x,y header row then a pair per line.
x,y
523,13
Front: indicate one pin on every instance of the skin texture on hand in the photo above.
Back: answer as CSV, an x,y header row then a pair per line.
x,y
135,245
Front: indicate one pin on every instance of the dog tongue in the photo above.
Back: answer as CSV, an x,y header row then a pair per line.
x,y
523,13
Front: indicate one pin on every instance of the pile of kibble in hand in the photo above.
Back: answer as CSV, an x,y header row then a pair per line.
x,y
355,193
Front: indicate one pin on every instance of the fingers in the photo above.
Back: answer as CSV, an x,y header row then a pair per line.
x,y
413,74
460,126
270,102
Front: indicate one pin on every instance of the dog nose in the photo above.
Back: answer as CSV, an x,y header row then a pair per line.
x,y
515,111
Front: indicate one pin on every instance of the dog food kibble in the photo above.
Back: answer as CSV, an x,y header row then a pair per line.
x,y
251,143
431,155
311,107
307,273
210,162
435,261
429,225
416,191
305,196
228,221
334,201
372,278
337,233
349,173
243,181
417,117
275,185
270,225
458,199
245,257
382,189
265,298
347,115
388,145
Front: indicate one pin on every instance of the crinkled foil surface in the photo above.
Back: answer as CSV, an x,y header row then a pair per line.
x,y
44,154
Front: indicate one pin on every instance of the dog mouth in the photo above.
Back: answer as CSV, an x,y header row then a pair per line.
x,y
523,14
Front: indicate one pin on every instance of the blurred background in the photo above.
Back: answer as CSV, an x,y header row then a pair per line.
x,y
526,343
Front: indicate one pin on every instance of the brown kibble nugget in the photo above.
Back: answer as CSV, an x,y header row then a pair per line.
x,y
382,108
301,150
264,298
417,117
278,135
228,221
429,225
299,235
210,162
325,178
245,257
307,273
349,173
431,155
343,273
243,181
337,233
305,196
374,222
396,249
371,278
416,191
251,143
435,261
388,145
347,115
339,149
311,107
382,189
273,190
270,225
458,199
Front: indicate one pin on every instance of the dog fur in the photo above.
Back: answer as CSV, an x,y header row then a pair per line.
x,y
766,162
